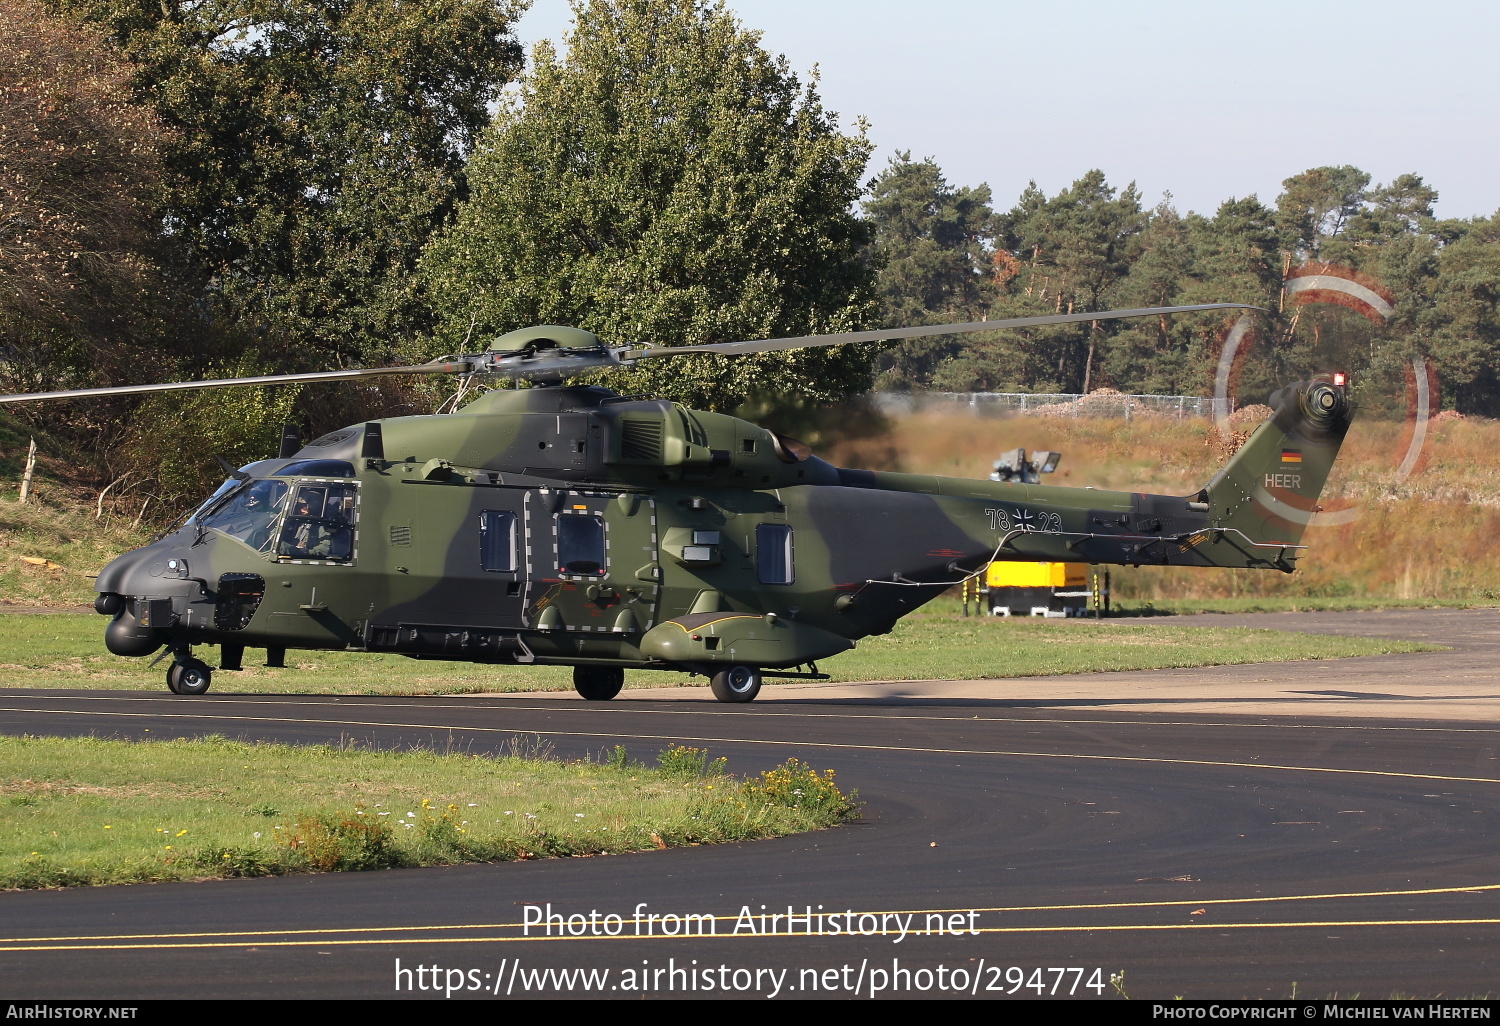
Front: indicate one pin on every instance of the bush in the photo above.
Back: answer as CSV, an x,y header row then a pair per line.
x,y
339,841
689,763
236,861
796,785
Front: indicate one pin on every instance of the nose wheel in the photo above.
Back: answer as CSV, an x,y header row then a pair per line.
x,y
189,677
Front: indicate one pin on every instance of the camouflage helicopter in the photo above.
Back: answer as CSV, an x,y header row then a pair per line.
x,y
566,524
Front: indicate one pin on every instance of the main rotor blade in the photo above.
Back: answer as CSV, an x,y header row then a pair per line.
x,y
771,345
461,367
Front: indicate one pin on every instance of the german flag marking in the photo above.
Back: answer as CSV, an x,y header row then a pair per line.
x,y
1291,455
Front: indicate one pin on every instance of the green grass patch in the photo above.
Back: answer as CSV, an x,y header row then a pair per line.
x,y
1279,604
87,811
1131,607
67,651
945,648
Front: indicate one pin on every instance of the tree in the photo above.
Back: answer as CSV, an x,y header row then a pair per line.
x,y
81,283
318,145
1316,206
933,263
668,182
1066,254
1404,207
1461,329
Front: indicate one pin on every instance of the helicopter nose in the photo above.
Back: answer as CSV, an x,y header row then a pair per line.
x,y
143,592
125,576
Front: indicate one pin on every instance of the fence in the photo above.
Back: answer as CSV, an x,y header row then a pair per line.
x,y
1095,404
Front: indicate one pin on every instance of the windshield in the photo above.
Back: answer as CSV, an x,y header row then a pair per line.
x,y
246,513
219,493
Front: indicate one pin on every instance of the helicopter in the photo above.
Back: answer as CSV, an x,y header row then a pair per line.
x,y
567,524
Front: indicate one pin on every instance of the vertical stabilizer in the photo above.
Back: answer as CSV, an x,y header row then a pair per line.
x,y
1269,490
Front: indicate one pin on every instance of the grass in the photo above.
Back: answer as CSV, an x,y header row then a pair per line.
x,y
1278,604
88,811
66,651
934,647
950,604
50,550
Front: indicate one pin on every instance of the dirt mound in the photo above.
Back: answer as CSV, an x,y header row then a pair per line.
x,y
1101,402
1443,416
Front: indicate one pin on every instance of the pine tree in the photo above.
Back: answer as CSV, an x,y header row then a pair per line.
x,y
932,259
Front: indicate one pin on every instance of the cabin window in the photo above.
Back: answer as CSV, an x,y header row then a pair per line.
x,y
319,523
249,514
773,553
497,541
580,544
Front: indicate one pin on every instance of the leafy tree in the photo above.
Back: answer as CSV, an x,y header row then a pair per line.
x,y
932,258
667,182
317,145
1149,355
1404,207
82,287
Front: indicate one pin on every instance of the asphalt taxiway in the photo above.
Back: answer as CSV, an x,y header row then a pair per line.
x,y
1220,832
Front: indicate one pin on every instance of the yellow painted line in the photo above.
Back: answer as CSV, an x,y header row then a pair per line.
x,y
1094,928
490,705
710,623
611,735
1001,909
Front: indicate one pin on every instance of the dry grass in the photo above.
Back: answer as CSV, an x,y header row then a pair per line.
x,y
1435,535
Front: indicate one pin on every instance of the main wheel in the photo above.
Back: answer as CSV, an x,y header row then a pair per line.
x,y
598,683
191,677
736,684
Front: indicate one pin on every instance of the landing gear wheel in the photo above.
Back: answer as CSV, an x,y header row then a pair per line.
x,y
736,684
191,677
598,683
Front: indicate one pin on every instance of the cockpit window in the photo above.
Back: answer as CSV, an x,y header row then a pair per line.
x,y
317,468
319,523
247,514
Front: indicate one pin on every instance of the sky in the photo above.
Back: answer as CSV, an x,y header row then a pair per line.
x,y
1205,99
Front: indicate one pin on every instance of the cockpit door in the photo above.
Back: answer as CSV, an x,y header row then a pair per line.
x,y
320,523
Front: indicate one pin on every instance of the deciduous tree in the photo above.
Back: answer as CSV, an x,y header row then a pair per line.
x,y
81,283
666,182
317,146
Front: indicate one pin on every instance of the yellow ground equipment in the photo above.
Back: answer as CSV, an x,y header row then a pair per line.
x,y
1041,589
